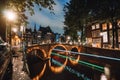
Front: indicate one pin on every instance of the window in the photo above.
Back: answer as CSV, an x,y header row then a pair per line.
x,y
104,26
96,42
97,26
110,26
93,33
105,37
118,23
93,27
96,33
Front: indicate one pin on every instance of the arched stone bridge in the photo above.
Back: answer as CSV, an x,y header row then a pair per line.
x,y
47,48
94,58
52,52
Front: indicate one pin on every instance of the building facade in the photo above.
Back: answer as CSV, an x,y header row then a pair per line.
x,y
103,35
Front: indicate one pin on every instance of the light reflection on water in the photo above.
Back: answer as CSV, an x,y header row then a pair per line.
x,y
57,68
41,71
68,68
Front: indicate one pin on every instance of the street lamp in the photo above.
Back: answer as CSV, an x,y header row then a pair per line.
x,y
14,30
10,17
68,39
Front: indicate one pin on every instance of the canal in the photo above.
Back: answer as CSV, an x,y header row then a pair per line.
x,y
61,66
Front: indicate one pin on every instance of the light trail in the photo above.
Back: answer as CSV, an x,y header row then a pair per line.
x,y
72,70
84,63
91,55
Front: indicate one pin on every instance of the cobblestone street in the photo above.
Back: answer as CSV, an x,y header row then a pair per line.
x,y
18,73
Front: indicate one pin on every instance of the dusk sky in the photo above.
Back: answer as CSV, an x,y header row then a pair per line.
x,y
45,18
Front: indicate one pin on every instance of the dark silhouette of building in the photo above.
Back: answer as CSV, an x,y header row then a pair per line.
x,y
34,35
44,31
43,34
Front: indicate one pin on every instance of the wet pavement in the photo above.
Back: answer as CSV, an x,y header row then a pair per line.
x,y
18,73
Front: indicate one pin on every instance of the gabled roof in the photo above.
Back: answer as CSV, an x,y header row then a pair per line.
x,y
45,30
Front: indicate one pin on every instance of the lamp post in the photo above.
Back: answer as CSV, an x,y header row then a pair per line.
x,y
10,17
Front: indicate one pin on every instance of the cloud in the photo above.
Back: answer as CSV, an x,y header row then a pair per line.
x,y
44,18
58,8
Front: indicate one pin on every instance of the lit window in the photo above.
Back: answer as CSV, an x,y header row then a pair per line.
x,y
118,23
97,26
104,26
93,27
110,26
105,37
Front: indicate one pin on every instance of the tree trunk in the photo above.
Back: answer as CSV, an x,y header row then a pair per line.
x,y
2,20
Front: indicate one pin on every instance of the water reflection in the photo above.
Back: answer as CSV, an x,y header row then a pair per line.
x,y
74,58
36,64
59,66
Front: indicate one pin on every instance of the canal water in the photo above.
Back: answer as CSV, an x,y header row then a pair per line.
x,y
42,70
59,67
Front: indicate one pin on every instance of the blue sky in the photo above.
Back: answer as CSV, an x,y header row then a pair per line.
x,y
44,18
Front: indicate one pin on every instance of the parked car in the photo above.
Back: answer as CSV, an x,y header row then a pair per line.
x,y
5,60
4,46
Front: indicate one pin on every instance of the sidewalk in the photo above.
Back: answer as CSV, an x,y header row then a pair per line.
x,y
18,74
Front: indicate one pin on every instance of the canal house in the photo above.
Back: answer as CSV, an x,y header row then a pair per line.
x,y
103,35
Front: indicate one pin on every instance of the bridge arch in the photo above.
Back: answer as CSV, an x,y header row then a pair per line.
x,y
58,69
74,57
42,51
36,48
53,47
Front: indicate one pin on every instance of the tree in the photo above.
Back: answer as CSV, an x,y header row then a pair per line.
x,y
79,13
76,15
108,11
20,6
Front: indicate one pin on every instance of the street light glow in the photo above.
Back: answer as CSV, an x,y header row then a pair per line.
x,y
68,37
14,29
10,15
